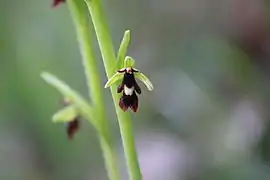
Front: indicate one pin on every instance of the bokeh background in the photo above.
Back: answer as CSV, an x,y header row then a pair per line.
x,y
207,118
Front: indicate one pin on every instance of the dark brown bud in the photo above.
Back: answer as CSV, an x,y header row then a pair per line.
x,y
57,2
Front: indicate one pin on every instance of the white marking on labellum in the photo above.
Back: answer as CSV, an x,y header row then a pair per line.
x,y
129,70
128,91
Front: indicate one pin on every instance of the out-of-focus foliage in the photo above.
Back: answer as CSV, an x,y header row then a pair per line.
x,y
207,118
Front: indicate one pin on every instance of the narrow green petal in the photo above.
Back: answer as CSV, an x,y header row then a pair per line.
x,y
66,114
117,76
145,80
129,62
123,49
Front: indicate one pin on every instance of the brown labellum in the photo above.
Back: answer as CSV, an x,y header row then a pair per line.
x,y
72,128
127,101
129,87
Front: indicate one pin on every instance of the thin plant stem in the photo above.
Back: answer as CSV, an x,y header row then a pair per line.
x,y
80,18
109,60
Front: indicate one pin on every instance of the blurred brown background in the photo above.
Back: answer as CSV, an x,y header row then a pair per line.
x,y
207,118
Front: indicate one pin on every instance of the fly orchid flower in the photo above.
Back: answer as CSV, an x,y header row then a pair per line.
x,y
129,86
69,115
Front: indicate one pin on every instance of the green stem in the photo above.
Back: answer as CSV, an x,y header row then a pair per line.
x,y
80,18
109,60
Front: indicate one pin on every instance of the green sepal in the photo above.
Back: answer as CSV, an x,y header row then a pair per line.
x,y
129,62
116,77
145,80
66,114
123,49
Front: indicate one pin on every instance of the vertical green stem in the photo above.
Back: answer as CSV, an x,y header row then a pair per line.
x,y
80,18
109,60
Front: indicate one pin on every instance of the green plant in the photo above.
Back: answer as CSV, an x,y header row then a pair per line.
x,y
95,113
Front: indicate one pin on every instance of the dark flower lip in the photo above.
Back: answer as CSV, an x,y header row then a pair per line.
x,y
129,99
73,125
131,102
129,87
57,2
72,128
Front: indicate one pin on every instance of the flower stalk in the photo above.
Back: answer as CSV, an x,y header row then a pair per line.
x,y
109,60
80,18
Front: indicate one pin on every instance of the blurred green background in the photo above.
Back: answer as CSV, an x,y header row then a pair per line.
x,y
207,118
